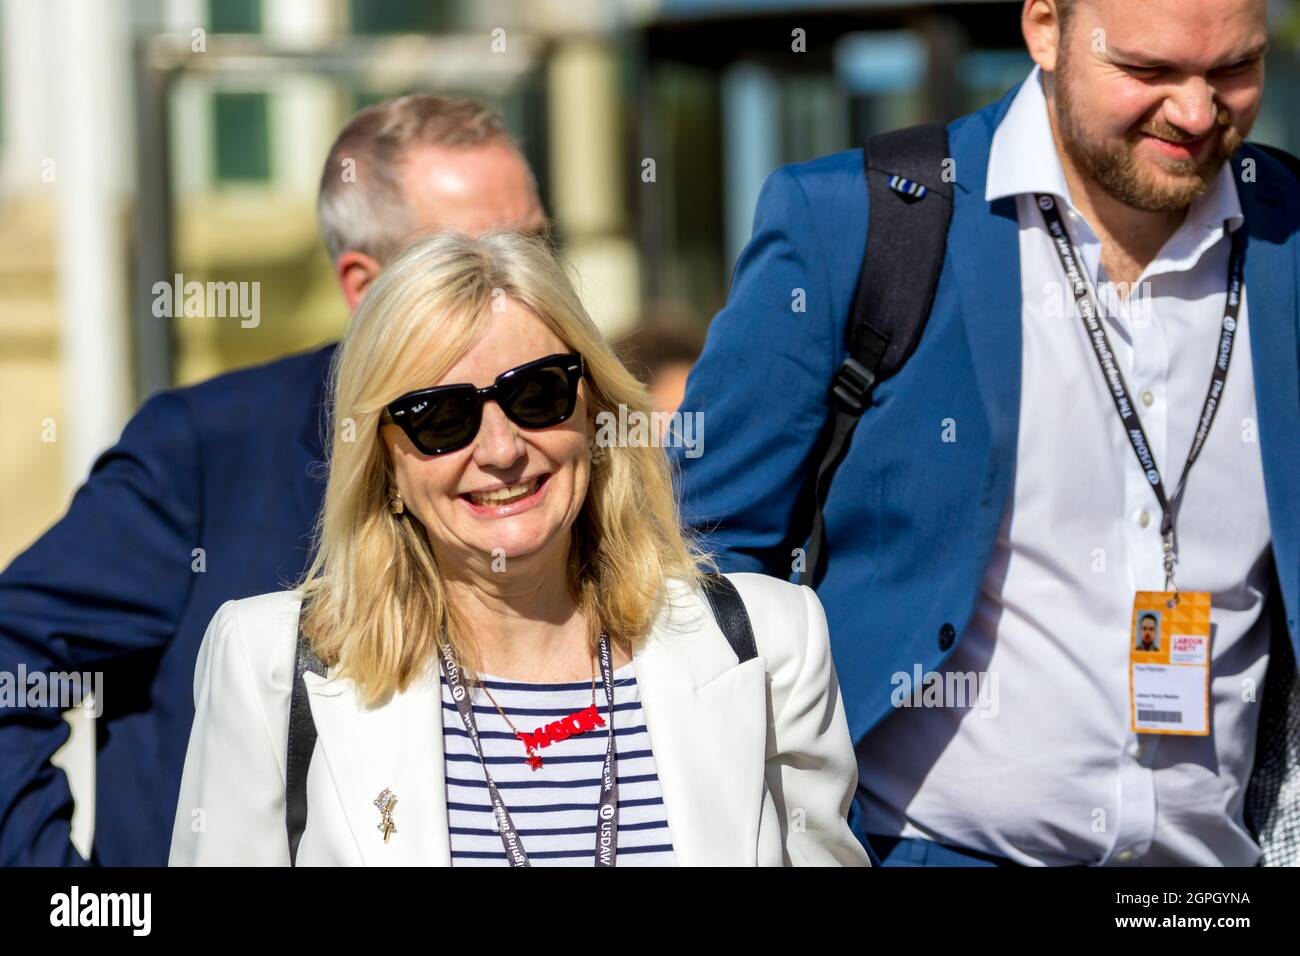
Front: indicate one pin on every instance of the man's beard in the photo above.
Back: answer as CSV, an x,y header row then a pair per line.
x,y
1114,165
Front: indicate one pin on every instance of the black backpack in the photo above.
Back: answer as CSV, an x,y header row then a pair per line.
x,y
728,610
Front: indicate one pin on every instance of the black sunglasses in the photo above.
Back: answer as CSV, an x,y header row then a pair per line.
x,y
442,419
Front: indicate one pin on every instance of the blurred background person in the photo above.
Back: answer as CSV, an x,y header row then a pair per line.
x,y
660,352
185,511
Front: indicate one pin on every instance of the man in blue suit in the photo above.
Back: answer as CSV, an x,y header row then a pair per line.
x,y
990,525
210,495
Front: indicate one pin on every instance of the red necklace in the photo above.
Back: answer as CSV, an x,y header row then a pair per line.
x,y
578,722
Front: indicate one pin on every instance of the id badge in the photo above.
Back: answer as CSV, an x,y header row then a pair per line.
x,y
1169,663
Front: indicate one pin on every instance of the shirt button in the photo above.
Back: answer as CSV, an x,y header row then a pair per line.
x,y
1147,399
1135,750
1144,519
947,634
1125,855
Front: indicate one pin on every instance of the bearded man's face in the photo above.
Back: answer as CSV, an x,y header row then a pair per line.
x,y
1153,97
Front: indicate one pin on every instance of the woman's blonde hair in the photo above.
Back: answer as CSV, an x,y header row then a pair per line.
x,y
375,601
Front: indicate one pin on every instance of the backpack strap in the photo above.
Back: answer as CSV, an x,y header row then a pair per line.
x,y
302,741
909,210
729,611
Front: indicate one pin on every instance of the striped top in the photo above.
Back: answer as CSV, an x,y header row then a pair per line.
x,y
554,808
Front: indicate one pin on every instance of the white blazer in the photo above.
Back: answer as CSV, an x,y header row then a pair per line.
x,y
754,759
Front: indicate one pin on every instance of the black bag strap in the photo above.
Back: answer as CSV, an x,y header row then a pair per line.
x,y
729,611
724,599
302,741
910,208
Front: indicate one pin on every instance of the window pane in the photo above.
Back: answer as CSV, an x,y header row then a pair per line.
x,y
400,16
235,16
242,136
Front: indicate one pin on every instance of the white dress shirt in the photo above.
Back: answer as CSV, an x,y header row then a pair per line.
x,y
1052,774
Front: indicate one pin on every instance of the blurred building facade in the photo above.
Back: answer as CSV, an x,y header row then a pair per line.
x,y
142,139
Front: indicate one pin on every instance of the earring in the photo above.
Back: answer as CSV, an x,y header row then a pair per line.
x,y
395,504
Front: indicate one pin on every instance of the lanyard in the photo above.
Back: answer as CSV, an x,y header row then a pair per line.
x,y
1085,301
607,815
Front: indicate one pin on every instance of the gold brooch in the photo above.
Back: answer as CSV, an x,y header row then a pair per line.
x,y
385,803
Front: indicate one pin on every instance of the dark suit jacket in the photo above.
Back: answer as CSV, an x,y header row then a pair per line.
x,y
231,466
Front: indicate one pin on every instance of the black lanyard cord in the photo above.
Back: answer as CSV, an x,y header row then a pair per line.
x,y
607,813
1085,302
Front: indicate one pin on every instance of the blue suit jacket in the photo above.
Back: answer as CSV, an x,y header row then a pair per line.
x,y
911,522
225,466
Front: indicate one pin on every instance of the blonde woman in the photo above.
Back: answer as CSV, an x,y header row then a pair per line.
x,y
522,665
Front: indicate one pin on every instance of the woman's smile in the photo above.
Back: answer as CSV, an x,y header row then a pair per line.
x,y
502,501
